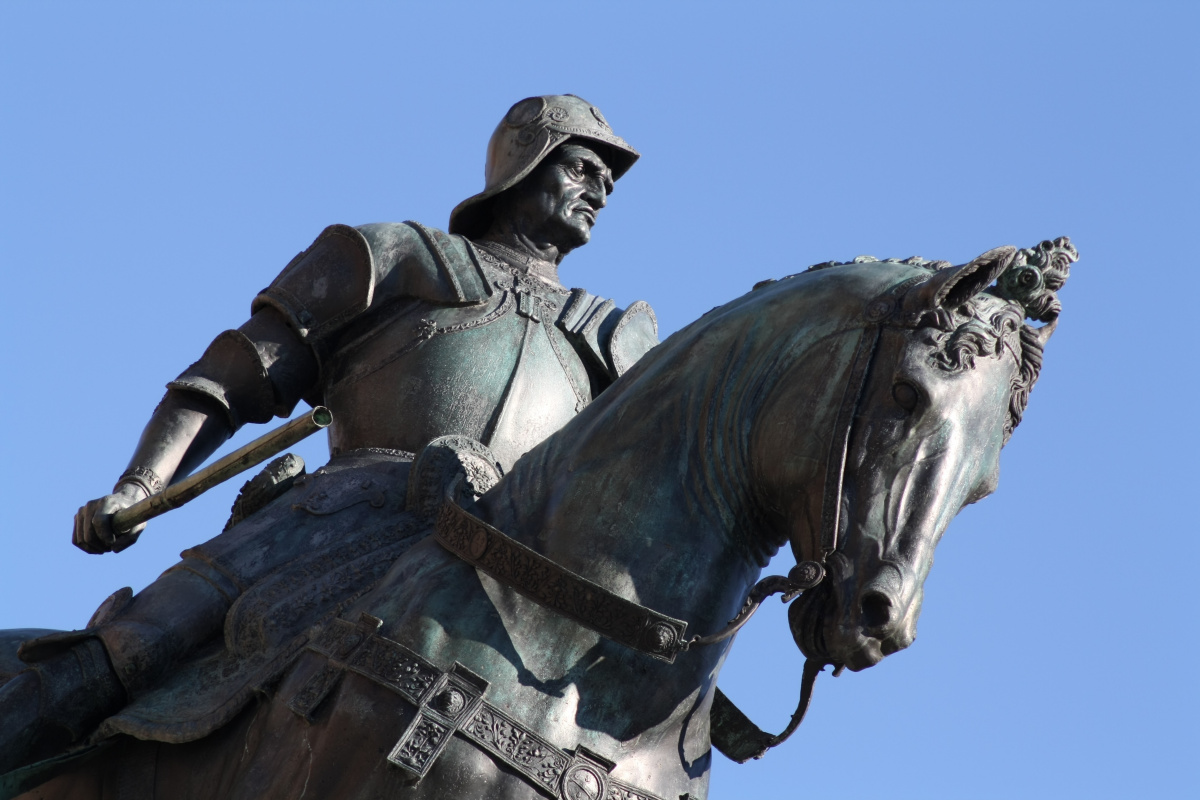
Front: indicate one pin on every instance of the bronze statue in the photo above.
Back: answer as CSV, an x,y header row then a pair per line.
x,y
406,333
499,617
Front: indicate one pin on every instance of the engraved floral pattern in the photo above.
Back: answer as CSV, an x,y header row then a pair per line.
x,y
417,749
507,741
618,791
314,691
390,665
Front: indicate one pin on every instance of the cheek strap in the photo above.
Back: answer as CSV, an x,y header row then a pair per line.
x,y
839,446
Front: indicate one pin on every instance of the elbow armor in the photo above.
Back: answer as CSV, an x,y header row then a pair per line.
x,y
232,374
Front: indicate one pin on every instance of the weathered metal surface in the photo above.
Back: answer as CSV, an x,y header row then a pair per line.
x,y
327,645
237,462
537,577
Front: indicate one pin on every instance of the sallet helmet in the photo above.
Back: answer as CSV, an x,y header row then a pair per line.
x,y
529,131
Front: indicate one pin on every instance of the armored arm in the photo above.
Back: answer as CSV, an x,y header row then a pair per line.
x,y
246,375
265,367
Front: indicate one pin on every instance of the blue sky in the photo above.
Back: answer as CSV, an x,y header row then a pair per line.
x,y
160,163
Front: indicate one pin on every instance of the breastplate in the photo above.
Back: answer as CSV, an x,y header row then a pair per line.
x,y
501,372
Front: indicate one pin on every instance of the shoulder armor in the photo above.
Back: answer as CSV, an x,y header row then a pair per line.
x,y
413,260
615,339
588,320
347,270
324,287
635,333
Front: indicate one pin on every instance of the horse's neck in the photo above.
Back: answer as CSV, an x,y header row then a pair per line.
x,y
645,497
651,490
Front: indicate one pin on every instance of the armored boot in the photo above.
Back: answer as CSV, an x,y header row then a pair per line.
x,y
77,679
55,703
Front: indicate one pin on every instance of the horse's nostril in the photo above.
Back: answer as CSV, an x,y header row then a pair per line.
x,y
876,610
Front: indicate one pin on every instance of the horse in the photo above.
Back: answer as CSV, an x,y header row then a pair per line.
x,y
532,641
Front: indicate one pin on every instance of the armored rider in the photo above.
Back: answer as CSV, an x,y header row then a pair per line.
x,y
406,333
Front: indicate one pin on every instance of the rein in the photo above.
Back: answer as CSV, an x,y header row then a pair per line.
x,y
554,586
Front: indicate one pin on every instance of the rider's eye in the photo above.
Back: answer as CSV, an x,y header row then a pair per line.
x,y
905,395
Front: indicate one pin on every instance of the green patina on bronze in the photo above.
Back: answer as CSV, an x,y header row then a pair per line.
x,y
326,643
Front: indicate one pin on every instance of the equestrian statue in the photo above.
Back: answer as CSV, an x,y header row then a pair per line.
x,y
522,568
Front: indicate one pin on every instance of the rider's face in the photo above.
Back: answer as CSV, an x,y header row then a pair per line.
x,y
558,202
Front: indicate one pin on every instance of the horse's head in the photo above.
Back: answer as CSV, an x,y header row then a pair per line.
x,y
941,372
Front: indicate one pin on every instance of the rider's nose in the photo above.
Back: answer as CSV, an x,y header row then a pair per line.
x,y
596,195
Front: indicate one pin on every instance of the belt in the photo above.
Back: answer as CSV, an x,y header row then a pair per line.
x,y
452,702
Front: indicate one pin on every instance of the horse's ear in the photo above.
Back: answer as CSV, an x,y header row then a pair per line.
x,y
953,286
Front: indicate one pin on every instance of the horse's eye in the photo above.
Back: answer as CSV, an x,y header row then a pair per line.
x,y
905,395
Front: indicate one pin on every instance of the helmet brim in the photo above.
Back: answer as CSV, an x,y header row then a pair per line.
x,y
473,216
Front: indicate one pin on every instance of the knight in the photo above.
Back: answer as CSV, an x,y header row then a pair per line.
x,y
407,333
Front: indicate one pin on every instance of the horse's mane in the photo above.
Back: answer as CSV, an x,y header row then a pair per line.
x,y
1028,288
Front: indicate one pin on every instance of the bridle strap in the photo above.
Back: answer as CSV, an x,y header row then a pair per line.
x,y
643,629
559,589
732,732
554,586
839,446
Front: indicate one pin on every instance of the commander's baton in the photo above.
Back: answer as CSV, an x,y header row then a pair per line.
x,y
238,461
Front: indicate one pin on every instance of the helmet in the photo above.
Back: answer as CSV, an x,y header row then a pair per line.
x,y
529,131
